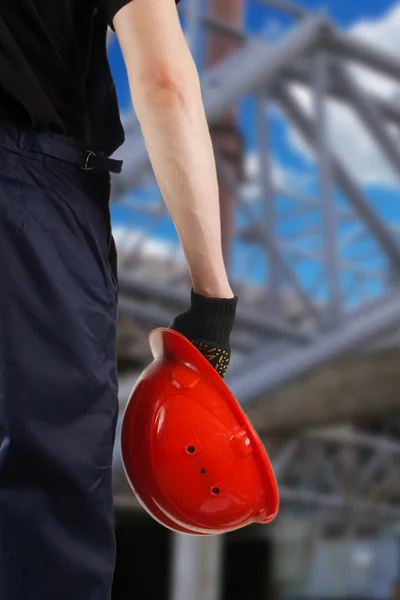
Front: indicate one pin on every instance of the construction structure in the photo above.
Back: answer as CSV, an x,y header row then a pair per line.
x,y
316,348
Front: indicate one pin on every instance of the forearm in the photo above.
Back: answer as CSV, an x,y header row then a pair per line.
x,y
176,134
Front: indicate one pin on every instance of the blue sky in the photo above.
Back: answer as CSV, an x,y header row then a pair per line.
x,y
345,12
288,154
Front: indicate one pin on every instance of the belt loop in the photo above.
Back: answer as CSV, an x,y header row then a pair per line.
x,y
93,160
89,154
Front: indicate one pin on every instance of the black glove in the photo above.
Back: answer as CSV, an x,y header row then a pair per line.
x,y
208,325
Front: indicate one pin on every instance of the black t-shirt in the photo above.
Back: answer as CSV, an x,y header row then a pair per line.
x,y
54,70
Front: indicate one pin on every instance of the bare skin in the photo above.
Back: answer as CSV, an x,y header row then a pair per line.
x,y
166,95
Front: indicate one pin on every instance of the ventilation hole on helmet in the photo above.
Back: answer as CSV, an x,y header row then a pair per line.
x,y
203,471
191,449
216,490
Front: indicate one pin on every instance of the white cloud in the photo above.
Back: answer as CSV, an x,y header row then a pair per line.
x,y
348,137
382,32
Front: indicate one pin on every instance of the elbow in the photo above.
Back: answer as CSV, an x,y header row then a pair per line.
x,y
172,89
176,86
169,82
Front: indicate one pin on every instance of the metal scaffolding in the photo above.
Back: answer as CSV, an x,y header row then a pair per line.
x,y
327,262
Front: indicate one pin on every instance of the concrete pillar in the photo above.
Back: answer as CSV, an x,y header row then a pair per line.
x,y
196,568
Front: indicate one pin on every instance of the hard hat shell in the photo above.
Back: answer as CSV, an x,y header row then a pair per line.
x,y
190,454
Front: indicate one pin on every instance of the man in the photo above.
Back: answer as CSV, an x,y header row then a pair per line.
x,y
59,125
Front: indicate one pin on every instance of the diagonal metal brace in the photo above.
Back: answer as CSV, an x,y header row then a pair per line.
x,y
370,114
342,178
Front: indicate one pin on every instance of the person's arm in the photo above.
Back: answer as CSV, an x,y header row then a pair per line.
x,y
166,95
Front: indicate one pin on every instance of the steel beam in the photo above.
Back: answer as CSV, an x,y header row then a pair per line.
x,y
285,457
301,72
341,44
339,502
258,62
371,117
321,64
373,466
345,46
221,26
343,179
268,203
343,392
256,377
343,437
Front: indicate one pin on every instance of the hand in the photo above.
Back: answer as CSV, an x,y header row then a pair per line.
x,y
208,325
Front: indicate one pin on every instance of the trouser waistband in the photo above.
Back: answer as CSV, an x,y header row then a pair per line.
x,y
30,141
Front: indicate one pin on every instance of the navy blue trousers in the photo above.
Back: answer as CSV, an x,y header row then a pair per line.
x,y
58,381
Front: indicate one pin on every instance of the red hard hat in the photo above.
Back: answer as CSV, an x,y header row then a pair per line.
x,y
191,455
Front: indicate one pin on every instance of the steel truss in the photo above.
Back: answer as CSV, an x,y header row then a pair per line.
x,y
327,262
348,473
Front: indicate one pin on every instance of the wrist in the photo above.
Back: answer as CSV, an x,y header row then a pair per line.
x,y
210,279
217,292
218,288
212,318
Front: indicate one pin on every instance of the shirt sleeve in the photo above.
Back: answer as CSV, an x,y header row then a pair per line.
x,y
110,8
